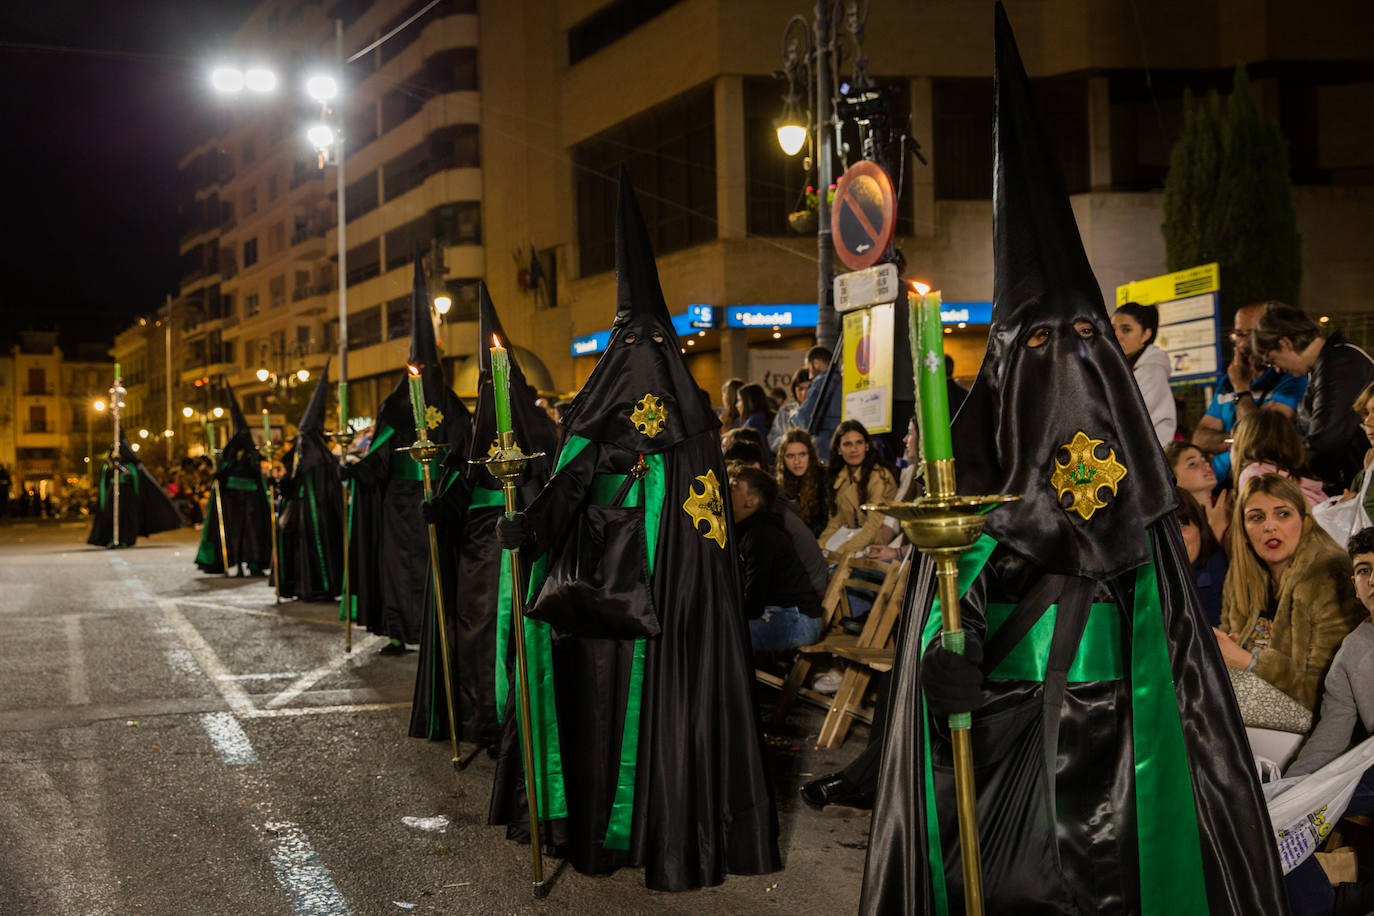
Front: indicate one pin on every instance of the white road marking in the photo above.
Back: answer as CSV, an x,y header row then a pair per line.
x,y
181,660
78,691
308,680
300,870
228,738
278,676
319,710
234,695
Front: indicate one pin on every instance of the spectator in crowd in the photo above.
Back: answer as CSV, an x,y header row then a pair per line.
x,y
802,477
751,403
785,418
1347,710
891,543
1266,443
1204,553
1195,474
1136,328
1287,602
729,403
4,491
817,360
953,389
746,433
858,475
820,410
1364,409
782,606
777,396
1337,371
1249,384
745,451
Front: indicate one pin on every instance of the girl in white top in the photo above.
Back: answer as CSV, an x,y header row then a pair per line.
x,y
1136,327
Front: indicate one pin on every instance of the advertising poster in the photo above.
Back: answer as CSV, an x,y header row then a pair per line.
x,y
867,386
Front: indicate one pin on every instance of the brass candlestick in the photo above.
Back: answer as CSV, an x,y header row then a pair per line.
x,y
270,450
422,453
944,525
216,454
507,465
344,438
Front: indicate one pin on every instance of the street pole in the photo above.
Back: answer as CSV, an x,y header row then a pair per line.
x,y
117,393
343,230
167,429
827,328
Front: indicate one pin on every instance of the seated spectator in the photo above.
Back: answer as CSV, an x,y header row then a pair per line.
x,y
1337,371
1248,384
802,477
1347,709
744,451
754,411
858,475
786,416
780,602
1364,409
1266,443
747,434
1287,602
890,543
1136,328
1204,553
1197,476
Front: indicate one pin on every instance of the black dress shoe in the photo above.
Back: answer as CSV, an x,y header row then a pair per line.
x,y
836,791
392,648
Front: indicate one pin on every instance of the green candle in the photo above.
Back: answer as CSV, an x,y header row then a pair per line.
x,y
343,406
210,438
928,357
417,402
266,428
500,384
116,372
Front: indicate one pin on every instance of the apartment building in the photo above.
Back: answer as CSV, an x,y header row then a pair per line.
x,y
683,92
260,293
49,426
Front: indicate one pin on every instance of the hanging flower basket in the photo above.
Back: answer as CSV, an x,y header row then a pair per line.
x,y
803,222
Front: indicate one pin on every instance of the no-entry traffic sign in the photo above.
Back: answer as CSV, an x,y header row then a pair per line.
x,y
864,215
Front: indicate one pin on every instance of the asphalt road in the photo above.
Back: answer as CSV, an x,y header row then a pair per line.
x,y
174,743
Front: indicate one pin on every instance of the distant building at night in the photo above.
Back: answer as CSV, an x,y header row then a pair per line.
x,y
48,423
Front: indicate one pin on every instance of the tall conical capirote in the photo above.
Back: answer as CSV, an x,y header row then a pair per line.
x,y
1053,369
238,423
313,418
640,395
534,431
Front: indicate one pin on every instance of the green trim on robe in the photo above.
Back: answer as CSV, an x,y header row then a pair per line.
x,y
352,596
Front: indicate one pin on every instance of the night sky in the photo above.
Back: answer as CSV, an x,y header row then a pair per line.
x,y
100,100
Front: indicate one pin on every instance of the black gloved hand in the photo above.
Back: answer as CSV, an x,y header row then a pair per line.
x,y
952,683
514,532
348,472
433,512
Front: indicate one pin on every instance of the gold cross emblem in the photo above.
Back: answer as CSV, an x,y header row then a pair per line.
x,y
1085,474
433,417
649,415
707,507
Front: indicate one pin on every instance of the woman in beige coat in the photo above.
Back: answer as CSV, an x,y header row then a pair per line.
x,y
1288,599
858,475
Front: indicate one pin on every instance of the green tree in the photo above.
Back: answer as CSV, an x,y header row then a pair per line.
x,y
1228,199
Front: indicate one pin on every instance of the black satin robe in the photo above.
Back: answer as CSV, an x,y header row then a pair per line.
x,y
143,510
310,533
247,520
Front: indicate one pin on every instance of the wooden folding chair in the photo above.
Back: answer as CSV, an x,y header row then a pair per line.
x,y
872,651
834,611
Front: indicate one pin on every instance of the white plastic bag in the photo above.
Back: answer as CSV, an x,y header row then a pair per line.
x,y
1303,809
1342,519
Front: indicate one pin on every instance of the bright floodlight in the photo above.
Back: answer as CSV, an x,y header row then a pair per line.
x,y
321,136
187,412
227,79
442,304
143,434
167,434
263,374
791,137
99,405
303,374
218,412
322,87
134,446
260,79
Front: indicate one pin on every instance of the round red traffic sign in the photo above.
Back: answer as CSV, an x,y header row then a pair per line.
x,y
863,217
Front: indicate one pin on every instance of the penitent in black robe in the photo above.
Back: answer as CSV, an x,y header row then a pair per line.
x,y
144,508
473,567
310,523
247,519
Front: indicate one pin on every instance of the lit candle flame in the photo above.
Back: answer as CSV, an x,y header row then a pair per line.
x,y
414,370
921,288
495,341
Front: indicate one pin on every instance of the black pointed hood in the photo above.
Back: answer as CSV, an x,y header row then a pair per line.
x,y
239,450
1053,370
313,418
534,431
127,455
640,396
238,423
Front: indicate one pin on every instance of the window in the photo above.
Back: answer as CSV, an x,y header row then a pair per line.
x,y
459,224
301,286
399,105
302,335
250,201
250,304
365,328
364,263
398,318
273,187
250,252
226,305
38,381
276,238
670,152
276,290
362,128
611,23
38,419
360,197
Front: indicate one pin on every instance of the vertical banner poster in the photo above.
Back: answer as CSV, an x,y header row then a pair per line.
x,y
868,367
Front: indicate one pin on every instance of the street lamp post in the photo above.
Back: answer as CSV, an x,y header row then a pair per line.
x,y
117,393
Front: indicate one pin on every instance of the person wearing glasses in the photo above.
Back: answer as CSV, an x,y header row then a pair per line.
x,y
1336,371
1248,384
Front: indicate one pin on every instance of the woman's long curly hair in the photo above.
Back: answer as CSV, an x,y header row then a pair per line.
x,y
1247,579
872,457
810,490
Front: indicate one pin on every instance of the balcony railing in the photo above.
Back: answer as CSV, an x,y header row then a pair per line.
x,y
40,426
39,391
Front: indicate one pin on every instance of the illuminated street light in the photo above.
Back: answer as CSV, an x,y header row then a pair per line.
x,y
260,79
227,80
263,375
188,412
303,375
321,136
218,412
99,405
166,434
791,137
134,446
143,434
442,304
322,87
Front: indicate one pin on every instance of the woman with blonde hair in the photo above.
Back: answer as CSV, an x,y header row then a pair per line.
x,y
802,477
1288,600
1266,442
